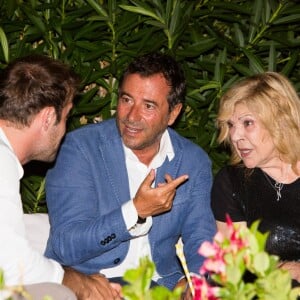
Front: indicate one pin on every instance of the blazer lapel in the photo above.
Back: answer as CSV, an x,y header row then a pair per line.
x,y
113,159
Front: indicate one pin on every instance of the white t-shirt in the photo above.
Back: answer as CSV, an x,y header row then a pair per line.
x,y
20,262
137,171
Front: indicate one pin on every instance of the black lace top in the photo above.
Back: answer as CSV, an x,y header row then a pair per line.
x,y
251,196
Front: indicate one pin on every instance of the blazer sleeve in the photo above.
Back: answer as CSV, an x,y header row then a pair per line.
x,y
83,226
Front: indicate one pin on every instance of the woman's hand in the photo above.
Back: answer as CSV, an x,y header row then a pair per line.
x,y
293,267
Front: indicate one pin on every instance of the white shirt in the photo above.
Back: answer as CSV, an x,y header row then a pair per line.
x,y
137,171
20,262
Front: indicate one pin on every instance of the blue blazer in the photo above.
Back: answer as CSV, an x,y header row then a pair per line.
x,y
88,185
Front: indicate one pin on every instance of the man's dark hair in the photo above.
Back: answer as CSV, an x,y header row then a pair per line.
x,y
31,83
158,63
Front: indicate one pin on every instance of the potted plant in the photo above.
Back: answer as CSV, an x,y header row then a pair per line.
x,y
227,260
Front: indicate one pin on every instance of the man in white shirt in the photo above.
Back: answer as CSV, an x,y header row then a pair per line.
x,y
36,94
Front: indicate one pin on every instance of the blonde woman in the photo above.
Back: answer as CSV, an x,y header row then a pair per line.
x,y
259,118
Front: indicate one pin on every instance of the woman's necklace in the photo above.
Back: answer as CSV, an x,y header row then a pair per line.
x,y
277,186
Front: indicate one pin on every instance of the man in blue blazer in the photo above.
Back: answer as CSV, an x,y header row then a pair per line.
x,y
131,186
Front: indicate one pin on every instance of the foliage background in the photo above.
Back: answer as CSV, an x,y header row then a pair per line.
x,y
217,42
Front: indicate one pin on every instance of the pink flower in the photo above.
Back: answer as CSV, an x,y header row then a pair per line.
x,y
227,258
217,266
215,251
214,262
208,249
237,242
229,222
203,291
219,237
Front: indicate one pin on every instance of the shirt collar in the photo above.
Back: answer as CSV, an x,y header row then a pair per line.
x,y
5,141
165,150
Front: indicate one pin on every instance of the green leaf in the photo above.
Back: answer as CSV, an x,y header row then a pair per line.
x,y
36,19
205,86
143,11
272,58
139,278
4,44
255,64
261,262
243,70
162,293
2,280
98,8
41,190
234,274
220,67
292,62
288,19
239,35
257,11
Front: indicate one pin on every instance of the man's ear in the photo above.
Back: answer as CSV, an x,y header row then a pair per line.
x,y
174,113
47,117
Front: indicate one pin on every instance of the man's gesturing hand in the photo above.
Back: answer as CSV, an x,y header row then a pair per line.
x,y
153,201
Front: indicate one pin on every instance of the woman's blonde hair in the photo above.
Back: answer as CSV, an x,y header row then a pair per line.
x,y
274,101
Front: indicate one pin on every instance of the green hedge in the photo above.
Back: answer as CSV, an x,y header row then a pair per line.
x,y
217,42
